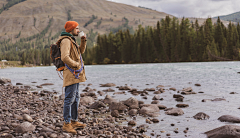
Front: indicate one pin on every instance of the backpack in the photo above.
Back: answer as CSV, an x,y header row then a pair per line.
x,y
55,54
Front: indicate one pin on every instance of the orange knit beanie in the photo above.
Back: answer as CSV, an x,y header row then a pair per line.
x,y
70,25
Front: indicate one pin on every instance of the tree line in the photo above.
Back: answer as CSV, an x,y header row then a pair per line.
x,y
170,41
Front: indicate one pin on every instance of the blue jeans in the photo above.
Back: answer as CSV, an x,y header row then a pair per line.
x,y
71,102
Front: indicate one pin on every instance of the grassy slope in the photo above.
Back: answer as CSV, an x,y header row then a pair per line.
x,y
20,17
234,17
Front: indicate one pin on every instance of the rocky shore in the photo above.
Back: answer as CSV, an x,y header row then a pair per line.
x,y
26,114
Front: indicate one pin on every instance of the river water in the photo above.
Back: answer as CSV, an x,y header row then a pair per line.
x,y
217,80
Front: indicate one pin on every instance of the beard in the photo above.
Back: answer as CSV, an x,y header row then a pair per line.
x,y
74,34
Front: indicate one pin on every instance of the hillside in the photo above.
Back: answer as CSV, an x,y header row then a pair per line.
x,y
234,17
32,16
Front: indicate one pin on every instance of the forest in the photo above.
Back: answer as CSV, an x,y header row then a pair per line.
x,y
170,41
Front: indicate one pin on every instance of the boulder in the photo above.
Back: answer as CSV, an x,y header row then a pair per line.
x,y
174,111
4,80
189,89
132,112
117,106
115,113
197,84
101,93
125,88
177,96
25,127
108,85
157,92
159,86
132,103
44,84
39,86
227,131
182,105
187,93
108,99
109,90
27,118
155,102
132,122
86,100
150,110
161,106
156,97
150,89
174,89
180,99
18,117
229,118
97,105
201,116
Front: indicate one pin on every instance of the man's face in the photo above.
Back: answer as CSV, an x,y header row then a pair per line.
x,y
75,31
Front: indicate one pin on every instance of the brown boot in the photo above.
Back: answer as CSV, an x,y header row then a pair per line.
x,y
67,127
76,125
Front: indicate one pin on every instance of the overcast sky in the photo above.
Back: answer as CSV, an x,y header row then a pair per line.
x,y
188,8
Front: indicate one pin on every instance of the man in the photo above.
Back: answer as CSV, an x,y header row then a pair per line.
x,y
73,74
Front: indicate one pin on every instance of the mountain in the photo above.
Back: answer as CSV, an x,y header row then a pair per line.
x,y
32,17
234,17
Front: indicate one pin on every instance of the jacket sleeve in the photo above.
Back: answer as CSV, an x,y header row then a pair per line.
x,y
83,45
65,47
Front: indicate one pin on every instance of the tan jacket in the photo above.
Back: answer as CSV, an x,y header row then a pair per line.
x,y
72,59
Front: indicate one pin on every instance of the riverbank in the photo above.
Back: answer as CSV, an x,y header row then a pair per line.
x,y
13,64
25,113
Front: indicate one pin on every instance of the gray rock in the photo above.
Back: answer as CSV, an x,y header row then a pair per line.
x,y
115,113
155,102
45,84
188,93
125,88
25,127
53,135
132,103
4,80
132,122
86,100
117,106
132,112
201,116
227,131
109,90
27,118
97,105
156,97
108,99
177,96
182,105
174,89
18,117
189,89
174,111
229,118
108,85
46,129
150,110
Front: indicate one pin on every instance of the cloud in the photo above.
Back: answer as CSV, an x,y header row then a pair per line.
x,y
189,8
